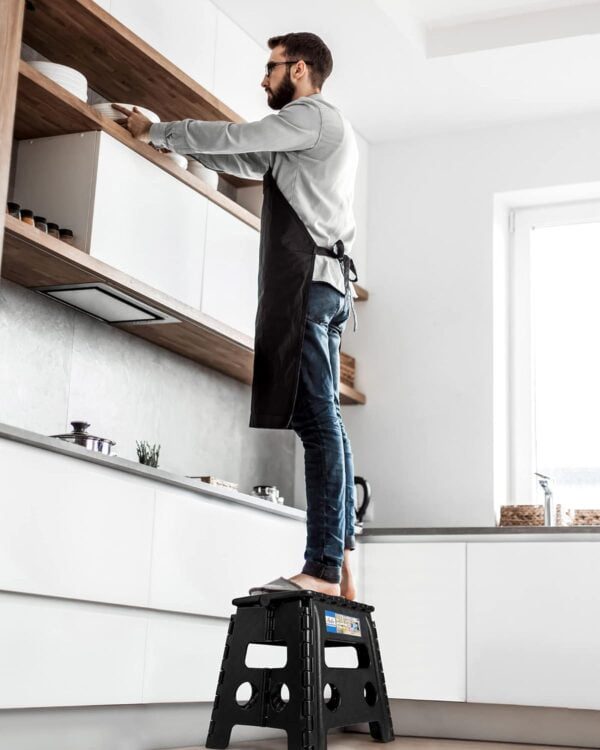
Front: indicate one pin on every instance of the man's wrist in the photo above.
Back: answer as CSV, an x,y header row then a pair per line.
x,y
157,134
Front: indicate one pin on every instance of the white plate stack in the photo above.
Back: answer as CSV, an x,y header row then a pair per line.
x,y
69,78
180,160
208,176
106,109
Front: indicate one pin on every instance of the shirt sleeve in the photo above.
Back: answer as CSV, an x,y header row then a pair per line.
x,y
249,166
296,127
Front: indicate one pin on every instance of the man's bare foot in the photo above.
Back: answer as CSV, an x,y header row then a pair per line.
x,y
348,587
316,584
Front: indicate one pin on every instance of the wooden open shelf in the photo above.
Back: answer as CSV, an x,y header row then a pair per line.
x,y
363,295
44,108
118,64
33,259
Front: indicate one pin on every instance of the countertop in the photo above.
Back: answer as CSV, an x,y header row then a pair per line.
x,y
366,534
18,434
372,533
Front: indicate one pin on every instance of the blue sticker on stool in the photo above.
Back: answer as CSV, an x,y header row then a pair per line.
x,y
336,622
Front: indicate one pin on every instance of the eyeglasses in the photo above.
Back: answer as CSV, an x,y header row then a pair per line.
x,y
271,65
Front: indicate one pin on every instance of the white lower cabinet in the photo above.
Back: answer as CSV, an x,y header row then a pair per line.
x,y
230,278
418,591
118,589
61,653
533,624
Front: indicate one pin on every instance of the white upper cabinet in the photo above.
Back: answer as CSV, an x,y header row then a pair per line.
x,y
230,278
183,31
147,223
239,70
123,209
532,624
418,591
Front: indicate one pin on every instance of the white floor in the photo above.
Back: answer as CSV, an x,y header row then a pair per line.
x,y
347,741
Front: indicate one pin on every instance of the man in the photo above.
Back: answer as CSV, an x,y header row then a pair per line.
x,y
307,157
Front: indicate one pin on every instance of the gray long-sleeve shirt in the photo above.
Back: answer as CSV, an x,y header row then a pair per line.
x,y
313,154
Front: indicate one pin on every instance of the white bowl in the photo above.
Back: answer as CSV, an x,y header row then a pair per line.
x,y
180,160
70,79
209,176
107,110
62,72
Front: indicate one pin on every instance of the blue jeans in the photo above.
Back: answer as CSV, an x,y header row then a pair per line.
x,y
317,420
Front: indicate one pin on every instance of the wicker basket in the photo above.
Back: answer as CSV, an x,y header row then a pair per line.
x,y
347,369
586,517
532,515
522,515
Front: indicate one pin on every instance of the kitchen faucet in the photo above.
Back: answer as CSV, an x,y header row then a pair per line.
x,y
549,519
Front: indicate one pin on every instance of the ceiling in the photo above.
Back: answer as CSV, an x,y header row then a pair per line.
x,y
404,68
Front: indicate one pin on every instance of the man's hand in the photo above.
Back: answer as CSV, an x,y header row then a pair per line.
x,y
137,124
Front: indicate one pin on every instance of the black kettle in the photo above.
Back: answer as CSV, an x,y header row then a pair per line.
x,y
362,506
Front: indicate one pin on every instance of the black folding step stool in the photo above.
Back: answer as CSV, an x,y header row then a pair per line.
x,y
306,622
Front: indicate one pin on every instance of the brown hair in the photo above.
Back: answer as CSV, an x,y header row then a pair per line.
x,y
308,47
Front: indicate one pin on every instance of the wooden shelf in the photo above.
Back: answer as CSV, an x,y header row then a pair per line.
x,y
34,259
118,64
44,109
363,295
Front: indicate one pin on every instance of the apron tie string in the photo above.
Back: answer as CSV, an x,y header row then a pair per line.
x,y
347,265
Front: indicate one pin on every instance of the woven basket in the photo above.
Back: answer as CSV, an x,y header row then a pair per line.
x,y
532,515
586,517
522,515
347,369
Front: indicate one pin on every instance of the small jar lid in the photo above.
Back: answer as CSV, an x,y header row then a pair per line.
x,y
13,206
41,219
52,225
26,212
66,232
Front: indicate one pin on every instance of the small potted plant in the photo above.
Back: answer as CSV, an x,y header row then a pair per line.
x,y
147,454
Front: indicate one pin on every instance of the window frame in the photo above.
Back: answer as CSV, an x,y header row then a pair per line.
x,y
523,487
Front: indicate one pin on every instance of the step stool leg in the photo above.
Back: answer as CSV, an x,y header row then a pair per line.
x,y
219,729
218,737
381,731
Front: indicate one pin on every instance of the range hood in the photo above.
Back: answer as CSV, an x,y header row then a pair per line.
x,y
105,303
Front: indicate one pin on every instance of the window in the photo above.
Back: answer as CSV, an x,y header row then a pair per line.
x,y
555,354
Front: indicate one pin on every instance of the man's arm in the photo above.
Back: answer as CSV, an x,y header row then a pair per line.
x,y
249,166
296,127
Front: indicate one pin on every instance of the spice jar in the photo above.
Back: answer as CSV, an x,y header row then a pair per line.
x,y
53,229
41,223
27,216
66,235
13,209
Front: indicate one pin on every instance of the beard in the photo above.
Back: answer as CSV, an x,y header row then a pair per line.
x,y
283,95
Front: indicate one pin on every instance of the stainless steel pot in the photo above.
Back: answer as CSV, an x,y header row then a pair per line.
x,y
79,436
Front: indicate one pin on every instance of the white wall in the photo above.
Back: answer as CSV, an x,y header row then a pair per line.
x,y
424,345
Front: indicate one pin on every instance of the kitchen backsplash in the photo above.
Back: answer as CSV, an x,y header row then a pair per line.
x,y
60,365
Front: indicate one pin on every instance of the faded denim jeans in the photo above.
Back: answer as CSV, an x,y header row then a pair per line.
x,y
317,420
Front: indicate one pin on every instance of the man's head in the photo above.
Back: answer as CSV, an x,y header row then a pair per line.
x,y
298,66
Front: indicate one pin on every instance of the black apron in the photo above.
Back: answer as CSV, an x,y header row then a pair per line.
x,y
286,264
